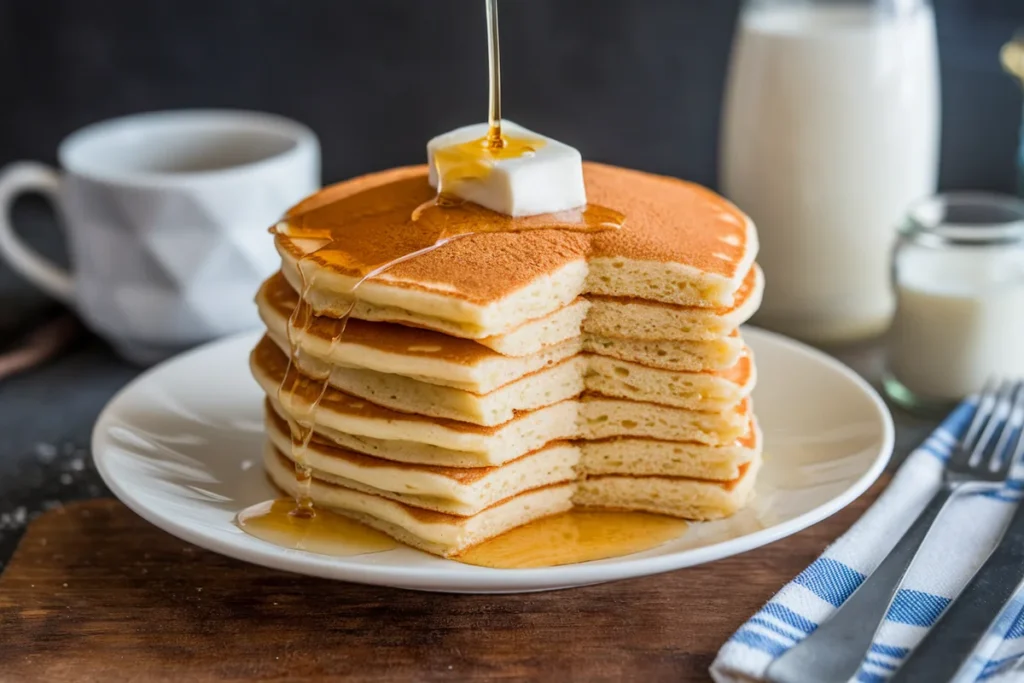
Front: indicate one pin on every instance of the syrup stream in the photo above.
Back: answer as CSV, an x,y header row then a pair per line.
x,y
494,138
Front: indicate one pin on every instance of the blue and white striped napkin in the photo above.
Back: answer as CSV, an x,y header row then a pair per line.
x,y
965,534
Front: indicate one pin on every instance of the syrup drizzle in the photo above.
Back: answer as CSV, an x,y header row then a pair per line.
x,y
330,228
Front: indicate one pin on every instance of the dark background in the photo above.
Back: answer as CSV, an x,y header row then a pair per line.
x,y
633,82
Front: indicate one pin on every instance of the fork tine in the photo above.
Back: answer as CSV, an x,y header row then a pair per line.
x,y
995,425
1018,452
987,446
982,412
986,401
1014,424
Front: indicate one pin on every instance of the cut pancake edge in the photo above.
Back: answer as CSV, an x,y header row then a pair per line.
x,y
671,496
410,351
651,457
642,320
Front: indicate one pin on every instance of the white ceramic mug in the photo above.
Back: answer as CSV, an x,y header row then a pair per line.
x,y
166,216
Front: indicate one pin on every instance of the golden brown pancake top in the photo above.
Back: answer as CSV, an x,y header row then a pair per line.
x,y
370,218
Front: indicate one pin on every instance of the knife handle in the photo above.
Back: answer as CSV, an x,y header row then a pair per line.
x,y
955,636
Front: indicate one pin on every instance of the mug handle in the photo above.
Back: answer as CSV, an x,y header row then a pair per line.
x,y
17,179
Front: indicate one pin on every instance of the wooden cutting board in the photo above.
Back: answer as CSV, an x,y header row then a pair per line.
x,y
96,593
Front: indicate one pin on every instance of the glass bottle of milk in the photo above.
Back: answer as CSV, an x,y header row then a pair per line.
x,y
830,131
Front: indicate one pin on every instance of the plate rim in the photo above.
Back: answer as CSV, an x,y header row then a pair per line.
x,y
483,579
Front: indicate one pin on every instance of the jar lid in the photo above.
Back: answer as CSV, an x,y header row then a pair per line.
x,y
966,219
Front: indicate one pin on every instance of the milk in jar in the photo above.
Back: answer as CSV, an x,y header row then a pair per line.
x,y
830,131
958,275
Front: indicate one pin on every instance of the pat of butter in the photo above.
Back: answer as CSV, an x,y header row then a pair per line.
x,y
545,179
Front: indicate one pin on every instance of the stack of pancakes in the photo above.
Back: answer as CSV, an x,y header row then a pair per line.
x,y
505,376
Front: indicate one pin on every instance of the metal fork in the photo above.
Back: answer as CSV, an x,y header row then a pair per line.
x,y
836,649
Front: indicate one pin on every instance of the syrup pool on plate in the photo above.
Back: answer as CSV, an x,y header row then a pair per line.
x,y
574,536
325,532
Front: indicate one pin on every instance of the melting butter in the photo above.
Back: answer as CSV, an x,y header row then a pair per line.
x,y
475,159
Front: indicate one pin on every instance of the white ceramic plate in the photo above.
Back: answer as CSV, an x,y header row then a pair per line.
x,y
181,446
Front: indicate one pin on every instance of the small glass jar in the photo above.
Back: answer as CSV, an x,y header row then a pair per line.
x,y
958,275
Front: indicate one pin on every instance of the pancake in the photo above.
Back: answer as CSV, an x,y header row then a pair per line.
x,y
530,392
682,244
601,417
412,352
681,356
653,457
346,414
525,434
536,335
495,331
674,496
433,532
703,391
453,490
637,319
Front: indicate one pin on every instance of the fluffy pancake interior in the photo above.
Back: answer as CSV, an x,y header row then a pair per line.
x,y
674,496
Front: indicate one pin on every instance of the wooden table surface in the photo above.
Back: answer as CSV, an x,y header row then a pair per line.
x,y
96,593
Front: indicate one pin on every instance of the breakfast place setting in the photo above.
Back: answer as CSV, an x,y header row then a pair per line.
x,y
693,353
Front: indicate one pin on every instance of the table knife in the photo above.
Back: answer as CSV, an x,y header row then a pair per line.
x,y
959,630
